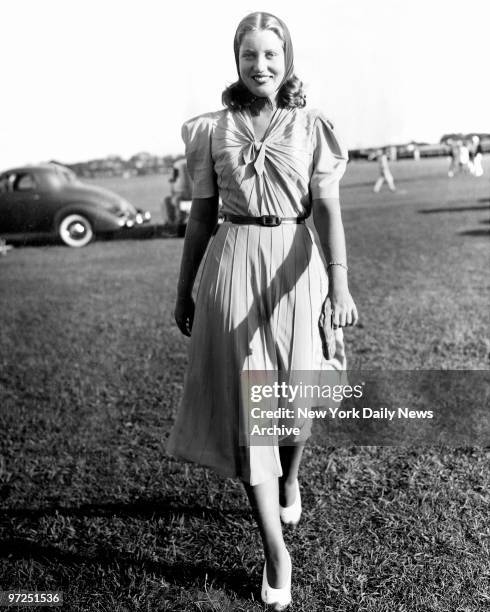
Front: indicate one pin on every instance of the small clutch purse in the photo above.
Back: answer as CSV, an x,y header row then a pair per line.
x,y
327,333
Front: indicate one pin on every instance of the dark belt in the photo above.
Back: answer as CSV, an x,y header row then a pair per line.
x,y
264,220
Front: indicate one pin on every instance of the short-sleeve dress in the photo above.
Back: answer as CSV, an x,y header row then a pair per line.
x,y
262,288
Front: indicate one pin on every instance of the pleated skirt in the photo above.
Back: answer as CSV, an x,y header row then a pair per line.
x,y
257,309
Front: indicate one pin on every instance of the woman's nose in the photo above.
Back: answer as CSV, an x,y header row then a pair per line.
x,y
260,63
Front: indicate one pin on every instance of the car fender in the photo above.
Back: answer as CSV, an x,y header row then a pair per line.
x,y
102,220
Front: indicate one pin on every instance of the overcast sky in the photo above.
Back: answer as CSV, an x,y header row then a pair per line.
x,y
98,77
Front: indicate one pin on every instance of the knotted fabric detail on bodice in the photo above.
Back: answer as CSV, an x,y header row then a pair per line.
x,y
270,147
254,153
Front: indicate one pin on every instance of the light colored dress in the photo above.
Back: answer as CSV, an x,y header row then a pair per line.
x,y
262,288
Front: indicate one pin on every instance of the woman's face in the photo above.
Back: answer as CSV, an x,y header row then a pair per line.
x,y
261,63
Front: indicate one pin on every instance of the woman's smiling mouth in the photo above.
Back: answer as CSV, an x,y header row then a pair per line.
x,y
261,78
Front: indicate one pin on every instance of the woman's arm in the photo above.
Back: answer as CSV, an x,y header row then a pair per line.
x,y
328,224
202,221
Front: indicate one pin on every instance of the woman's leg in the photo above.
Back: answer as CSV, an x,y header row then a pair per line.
x,y
290,461
264,499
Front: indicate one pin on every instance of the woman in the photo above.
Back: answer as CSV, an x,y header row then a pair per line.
x,y
263,283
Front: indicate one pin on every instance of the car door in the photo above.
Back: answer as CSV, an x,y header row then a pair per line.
x,y
24,203
7,223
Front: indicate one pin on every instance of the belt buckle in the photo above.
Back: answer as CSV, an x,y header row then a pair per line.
x,y
270,220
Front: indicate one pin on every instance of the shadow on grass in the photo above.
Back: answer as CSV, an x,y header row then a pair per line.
x,y
179,572
475,232
236,580
158,508
143,232
428,211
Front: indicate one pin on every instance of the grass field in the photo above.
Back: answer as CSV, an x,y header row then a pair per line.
x,y
91,374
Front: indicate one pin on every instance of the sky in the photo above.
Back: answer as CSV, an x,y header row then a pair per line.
x,y
82,80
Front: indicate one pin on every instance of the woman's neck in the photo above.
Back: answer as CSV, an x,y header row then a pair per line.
x,y
262,105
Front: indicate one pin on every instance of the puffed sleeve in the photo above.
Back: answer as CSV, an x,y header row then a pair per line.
x,y
196,134
329,160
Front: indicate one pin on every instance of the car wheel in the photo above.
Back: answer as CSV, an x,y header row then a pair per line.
x,y
75,230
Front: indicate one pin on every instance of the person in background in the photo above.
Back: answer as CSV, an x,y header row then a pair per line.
x,y
180,189
460,160
384,172
464,157
454,147
475,148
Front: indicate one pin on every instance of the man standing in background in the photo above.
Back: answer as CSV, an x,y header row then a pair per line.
x,y
180,189
384,172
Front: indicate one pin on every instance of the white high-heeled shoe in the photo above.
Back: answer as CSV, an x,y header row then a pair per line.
x,y
290,515
279,598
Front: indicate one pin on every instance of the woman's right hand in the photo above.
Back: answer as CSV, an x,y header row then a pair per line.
x,y
184,314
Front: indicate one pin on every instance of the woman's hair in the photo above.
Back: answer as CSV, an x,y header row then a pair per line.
x,y
290,95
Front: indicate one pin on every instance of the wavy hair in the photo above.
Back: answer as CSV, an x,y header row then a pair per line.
x,y
290,94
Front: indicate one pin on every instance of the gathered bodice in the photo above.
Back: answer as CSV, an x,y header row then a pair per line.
x,y
298,158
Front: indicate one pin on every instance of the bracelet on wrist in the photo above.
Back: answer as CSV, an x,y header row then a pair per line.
x,y
337,263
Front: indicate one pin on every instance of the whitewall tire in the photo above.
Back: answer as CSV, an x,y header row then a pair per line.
x,y
75,230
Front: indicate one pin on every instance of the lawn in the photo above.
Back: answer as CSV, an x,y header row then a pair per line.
x,y
91,374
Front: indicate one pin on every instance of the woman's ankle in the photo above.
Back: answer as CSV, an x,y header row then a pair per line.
x,y
276,553
278,567
287,491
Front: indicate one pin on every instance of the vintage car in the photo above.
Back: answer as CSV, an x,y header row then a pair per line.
x,y
49,199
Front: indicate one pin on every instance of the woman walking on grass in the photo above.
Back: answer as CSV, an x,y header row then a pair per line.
x,y
263,284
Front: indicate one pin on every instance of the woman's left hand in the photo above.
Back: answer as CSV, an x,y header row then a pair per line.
x,y
344,311
184,314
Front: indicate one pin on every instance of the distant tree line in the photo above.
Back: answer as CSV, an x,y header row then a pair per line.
x,y
113,165
145,163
